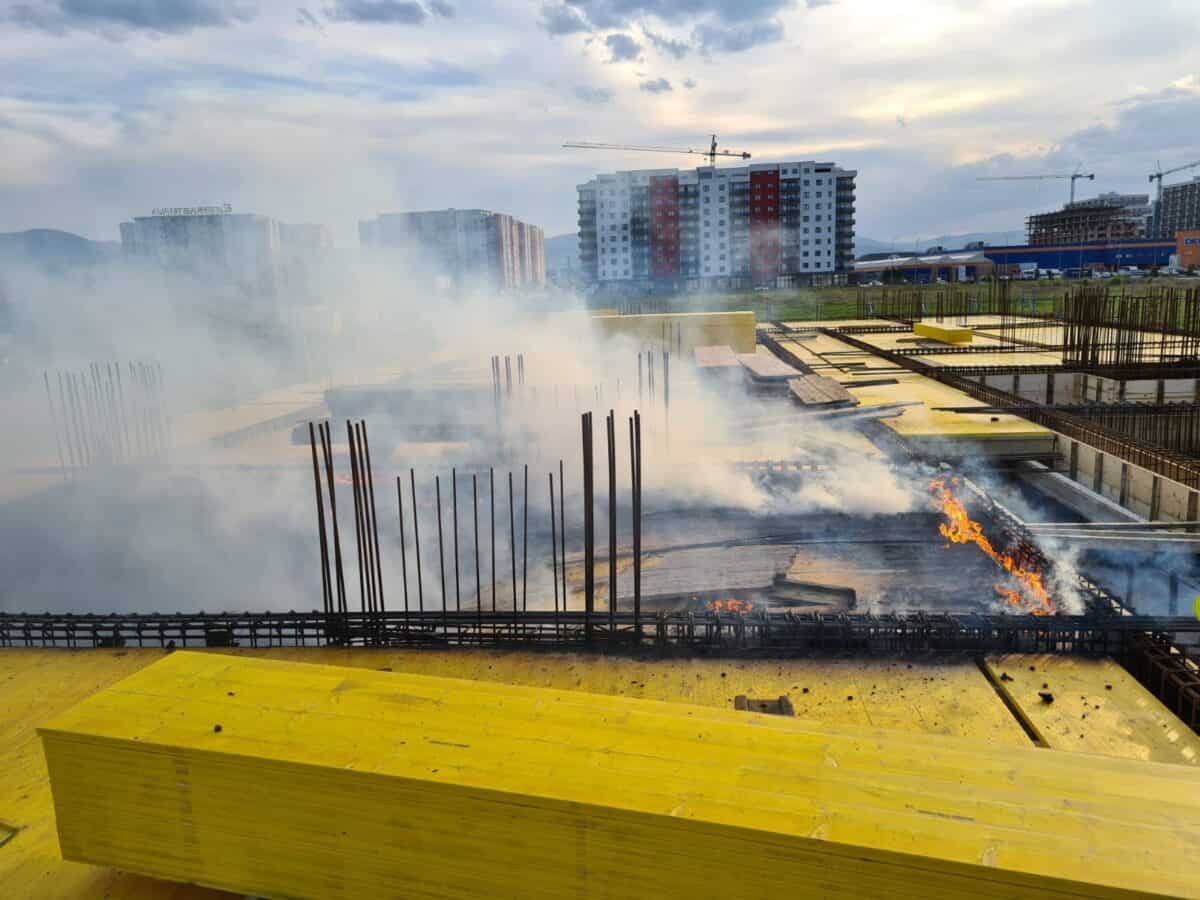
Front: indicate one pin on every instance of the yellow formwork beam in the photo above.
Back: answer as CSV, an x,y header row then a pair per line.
x,y
947,334
290,779
682,333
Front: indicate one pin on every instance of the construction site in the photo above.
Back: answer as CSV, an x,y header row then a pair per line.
x,y
903,604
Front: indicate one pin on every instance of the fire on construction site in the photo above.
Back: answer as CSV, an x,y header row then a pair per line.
x,y
437,463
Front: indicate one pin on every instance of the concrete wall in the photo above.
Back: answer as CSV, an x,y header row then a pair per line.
x,y
1138,490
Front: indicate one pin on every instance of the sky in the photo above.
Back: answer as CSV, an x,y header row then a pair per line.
x,y
338,110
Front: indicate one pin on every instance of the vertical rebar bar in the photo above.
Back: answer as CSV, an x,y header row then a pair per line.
x,y
512,539
525,544
637,525
437,486
326,586
76,459
492,507
331,484
478,585
62,463
403,545
379,601
554,551
412,480
360,548
589,586
454,521
611,433
562,530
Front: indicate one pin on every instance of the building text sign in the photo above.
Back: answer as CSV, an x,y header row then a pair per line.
x,y
223,209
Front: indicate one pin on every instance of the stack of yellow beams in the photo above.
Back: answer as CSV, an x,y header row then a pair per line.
x,y
287,779
947,334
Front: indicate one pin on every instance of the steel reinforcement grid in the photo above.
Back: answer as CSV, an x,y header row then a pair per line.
x,y
757,633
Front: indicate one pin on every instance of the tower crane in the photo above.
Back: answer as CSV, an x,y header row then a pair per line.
x,y
1074,176
1158,175
712,152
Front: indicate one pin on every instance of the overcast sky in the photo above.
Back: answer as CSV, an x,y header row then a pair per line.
x,y
339,110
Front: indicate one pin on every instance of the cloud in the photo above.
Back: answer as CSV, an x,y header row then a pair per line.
x,y
161,16
736,38
676,48
593,95
730,25
304,17
378,12
689,83
622,47
817,4
655,86
622,13
442,8
560,19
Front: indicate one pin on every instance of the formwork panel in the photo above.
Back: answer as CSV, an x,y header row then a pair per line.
x,y
332,782
1094,706
683,332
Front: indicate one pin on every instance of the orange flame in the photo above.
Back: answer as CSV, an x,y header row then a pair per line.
x,y
960,528
732,605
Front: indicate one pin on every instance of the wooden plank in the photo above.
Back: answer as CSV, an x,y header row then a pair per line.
x,y
333,782
715,356
817,390
763,365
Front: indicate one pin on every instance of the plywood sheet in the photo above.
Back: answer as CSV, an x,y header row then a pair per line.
x,y
763,365
1095,706
323,781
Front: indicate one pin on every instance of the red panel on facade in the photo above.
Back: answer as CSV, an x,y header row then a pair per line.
x,y
764,225
664,226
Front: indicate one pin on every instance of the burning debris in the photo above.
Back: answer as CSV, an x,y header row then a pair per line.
x,y
732,605
960,528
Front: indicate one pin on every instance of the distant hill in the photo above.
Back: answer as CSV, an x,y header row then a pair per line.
x,y
864,245
562,252
54,251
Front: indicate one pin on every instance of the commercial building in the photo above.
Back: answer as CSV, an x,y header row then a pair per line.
x,y
466,245
239,252
1108,217
1187,249
769,224
1179,209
